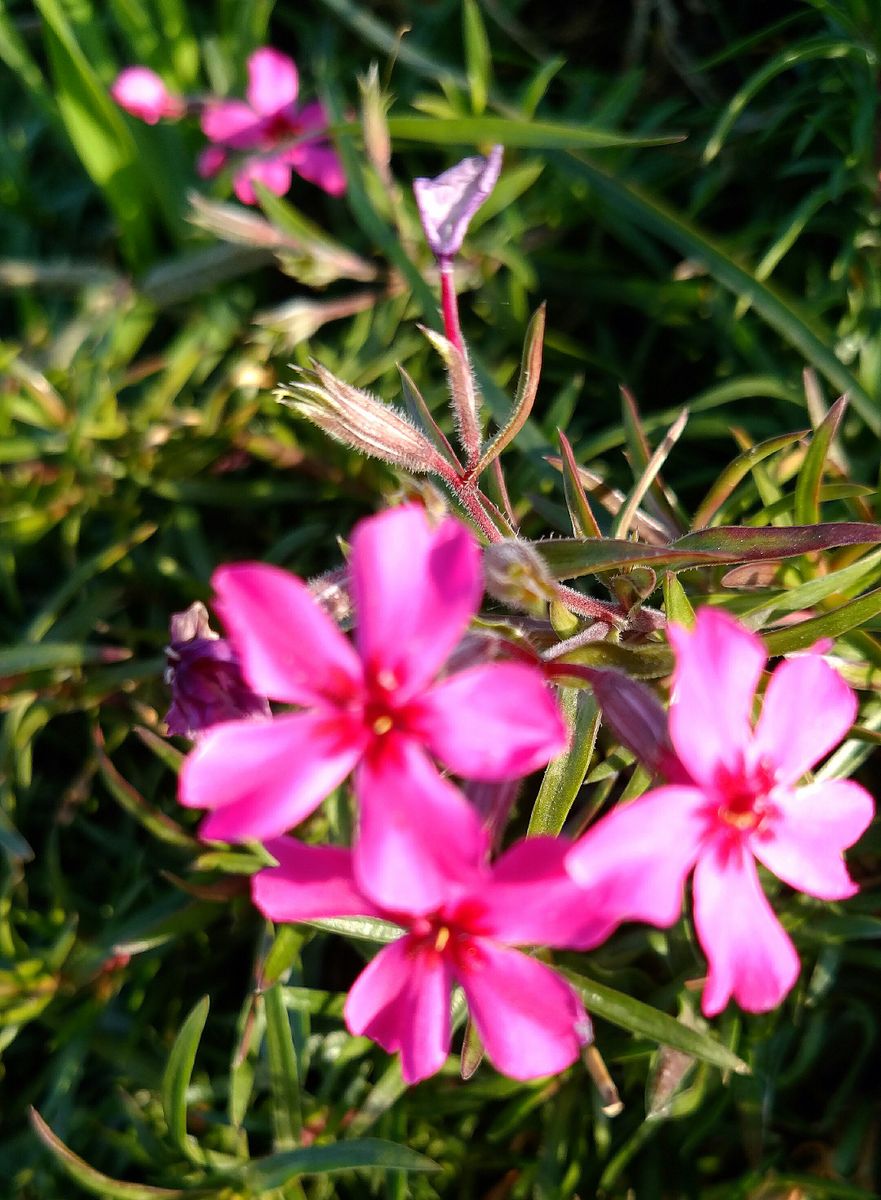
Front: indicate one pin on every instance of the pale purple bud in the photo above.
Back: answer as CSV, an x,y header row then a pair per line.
x,y
448,202
205,677
637,719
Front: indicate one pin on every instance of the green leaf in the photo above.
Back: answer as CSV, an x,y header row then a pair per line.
x,y
263,1175
534,135
565,775
48,656
478,58
677,606
91,1180
130,799
650,1022
365,929
584,523
832,624
810,477
568,558
737,470
524,398
176,1079
284,1084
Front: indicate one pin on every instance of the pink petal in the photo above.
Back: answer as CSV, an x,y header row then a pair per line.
x,y
813,826
633,863
749,952
211,160
416,588
808,709
273,81
233,123
448,202
718,666
402,1001
420,842
284,638
494,721
273,172
312,116
530,1021
319,165
261,778
142,93
309,881
531,900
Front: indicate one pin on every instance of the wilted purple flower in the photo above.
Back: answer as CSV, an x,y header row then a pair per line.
x,y
448,202
205,677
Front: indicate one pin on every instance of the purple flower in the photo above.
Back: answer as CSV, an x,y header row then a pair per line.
x,y
448,202
205,677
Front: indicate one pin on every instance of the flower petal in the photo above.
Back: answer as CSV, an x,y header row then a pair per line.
x,y
420,842
803,846
718,666
415,588
261,778
233,123
634,862
493,721
530,1021
289,648
749,952
531,900
272,171
402,1001
142,93
309,881
808,709
319,165
273,81
210,161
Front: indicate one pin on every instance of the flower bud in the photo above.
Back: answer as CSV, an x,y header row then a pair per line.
x,y
142,93
205,678
448,202
518,576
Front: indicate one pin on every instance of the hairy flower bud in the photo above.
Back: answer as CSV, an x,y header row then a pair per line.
x,y
205,678
517,575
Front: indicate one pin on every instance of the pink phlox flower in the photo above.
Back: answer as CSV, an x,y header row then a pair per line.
x,y
742,805
529,1020
377,708
269,123
142,93
205,677
448,202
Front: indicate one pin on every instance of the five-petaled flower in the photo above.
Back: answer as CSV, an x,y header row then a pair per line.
x,y
278,136
379,709
742,804
530,1021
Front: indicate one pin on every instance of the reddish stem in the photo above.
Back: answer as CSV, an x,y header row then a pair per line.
x,y
450,305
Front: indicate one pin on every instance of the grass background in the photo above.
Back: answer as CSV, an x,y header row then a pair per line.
x,y
140,446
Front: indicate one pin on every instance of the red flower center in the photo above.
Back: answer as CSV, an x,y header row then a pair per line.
x,y
743,795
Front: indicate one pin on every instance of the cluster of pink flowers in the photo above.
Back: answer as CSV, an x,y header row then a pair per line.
x,y
267,137
389,709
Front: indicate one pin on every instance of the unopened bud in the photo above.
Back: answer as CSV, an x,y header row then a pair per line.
x,y
518,576
448,202
142,93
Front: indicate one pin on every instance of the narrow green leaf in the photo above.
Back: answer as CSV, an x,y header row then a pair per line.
x,y
513,131
91,1180
677,606
478,57
265,1174
161,747
810,477
565,775
737,470
47,656
650,1022
176,1079
284,1084
806,595
130,799
527,386
629,509
364,929
832,624
584,523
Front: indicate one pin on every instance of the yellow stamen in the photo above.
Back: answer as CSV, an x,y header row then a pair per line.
x,y
382,725
443,936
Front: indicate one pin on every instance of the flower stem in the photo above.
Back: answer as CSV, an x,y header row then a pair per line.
x,y
450,305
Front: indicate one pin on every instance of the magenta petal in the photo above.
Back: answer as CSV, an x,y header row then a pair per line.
x,y
289,648
808,709
233,123
633,863
273,81
211,160
530,1021
718,666
261,778
416,588
749,952
309,881
493,721
320,165
531,900
402,1001
420,842
273,172
803,845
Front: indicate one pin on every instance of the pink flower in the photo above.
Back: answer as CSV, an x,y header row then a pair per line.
x,y
530,1021
267,123
742,805
447,203
374,709
142,93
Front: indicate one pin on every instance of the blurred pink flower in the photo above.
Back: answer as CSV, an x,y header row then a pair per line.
x,y
375,709
530,1021
742,805
142,93
266,124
